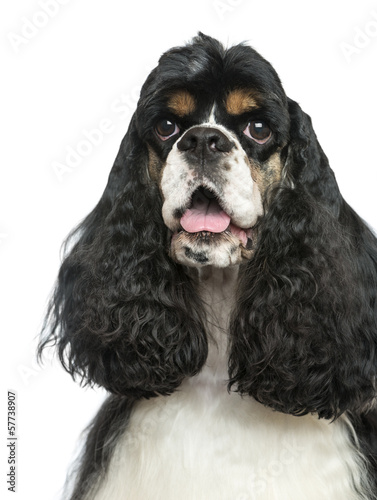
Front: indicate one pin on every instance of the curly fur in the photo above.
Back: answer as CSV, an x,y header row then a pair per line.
x,y
303,333
123,313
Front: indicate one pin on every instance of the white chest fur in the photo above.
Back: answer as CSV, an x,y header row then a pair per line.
x,y
202,443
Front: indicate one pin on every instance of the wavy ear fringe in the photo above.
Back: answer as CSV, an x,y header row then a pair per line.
x,y
123,315
304,335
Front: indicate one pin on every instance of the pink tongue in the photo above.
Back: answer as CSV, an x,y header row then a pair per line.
x,y
205,215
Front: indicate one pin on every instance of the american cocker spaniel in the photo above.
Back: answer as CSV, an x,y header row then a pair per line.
x,y
224,293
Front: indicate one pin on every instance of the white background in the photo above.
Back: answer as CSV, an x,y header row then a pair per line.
x,y
77,66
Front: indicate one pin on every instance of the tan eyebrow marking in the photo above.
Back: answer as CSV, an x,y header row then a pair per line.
x,y
240,101
182,103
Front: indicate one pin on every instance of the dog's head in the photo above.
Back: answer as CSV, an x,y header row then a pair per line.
x,y
220,168
215,123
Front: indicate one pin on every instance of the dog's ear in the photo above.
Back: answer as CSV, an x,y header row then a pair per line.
x,y
123,315
304,334
306,164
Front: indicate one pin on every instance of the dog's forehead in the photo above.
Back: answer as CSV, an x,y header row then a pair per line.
x,y
194,78
205,101
237,101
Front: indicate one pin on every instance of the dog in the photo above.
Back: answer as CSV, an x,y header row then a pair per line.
x,y
224,294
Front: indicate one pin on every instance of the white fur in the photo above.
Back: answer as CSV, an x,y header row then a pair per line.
x,y
202,443
239,194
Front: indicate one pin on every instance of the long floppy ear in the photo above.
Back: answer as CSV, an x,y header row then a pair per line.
x,y
123,315
307,164
304,335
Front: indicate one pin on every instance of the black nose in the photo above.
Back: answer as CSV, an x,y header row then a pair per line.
x,y
205,143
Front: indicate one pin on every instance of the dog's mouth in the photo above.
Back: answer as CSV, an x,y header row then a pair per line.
x,y
205,216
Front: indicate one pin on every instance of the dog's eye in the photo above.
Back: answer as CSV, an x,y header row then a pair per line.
x,y
166,129
258,130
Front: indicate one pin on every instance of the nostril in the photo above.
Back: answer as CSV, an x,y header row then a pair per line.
x,y
212,144
188,142
220,143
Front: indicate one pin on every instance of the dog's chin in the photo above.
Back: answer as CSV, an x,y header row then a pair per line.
x,y
209,249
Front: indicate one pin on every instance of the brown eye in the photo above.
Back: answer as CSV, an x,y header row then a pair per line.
x,y
166,129
258,130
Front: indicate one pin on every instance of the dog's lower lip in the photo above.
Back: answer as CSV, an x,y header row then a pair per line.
x,y
247,242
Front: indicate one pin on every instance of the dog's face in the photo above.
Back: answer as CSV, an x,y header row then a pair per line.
x,y
216,128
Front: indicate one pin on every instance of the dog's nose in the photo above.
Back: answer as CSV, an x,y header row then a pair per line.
x,y
205,143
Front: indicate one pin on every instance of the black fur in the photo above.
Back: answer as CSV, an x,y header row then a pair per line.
x,y
303,336
123,314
